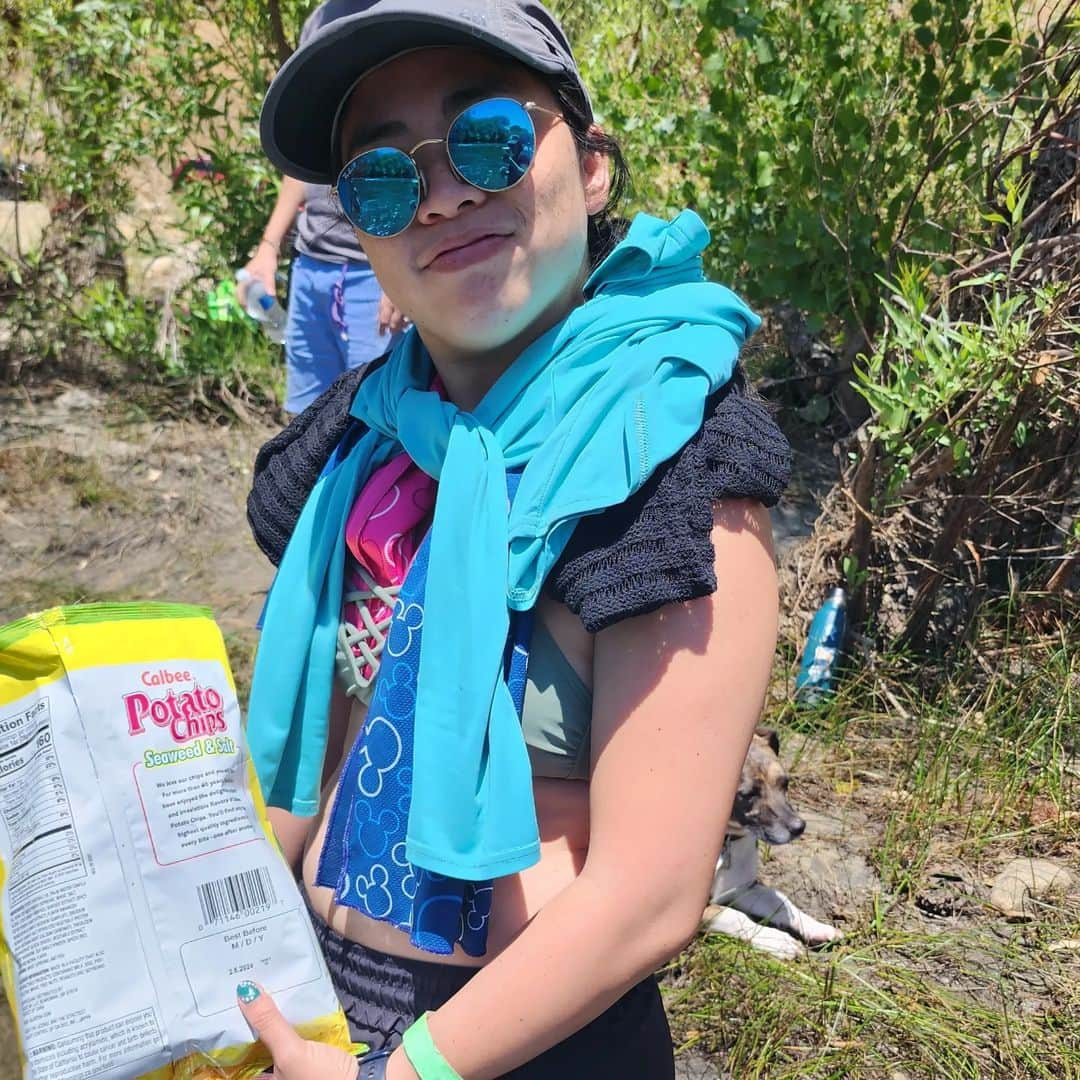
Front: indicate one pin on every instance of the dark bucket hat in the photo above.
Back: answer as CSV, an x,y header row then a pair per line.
x,y
355,36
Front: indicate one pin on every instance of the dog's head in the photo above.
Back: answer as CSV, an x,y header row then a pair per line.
x,y
761,803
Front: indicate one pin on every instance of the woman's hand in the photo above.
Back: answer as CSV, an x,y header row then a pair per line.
x,y
391,317
294,1058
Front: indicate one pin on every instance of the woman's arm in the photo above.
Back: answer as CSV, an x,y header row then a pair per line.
x,y
264,261
676,696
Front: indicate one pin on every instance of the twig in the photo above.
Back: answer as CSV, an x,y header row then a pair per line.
x,y
895,703
1064,189
768,384
1041,135
1060,577
922,605
277,32
946,147
1033,247
862,531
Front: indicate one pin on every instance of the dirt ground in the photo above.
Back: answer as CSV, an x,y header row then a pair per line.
x,y
98,503
94,505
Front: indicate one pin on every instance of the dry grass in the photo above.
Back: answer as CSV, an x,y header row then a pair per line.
x,y
26,471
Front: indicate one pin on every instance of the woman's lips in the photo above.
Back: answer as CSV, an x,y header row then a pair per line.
x,y
469,254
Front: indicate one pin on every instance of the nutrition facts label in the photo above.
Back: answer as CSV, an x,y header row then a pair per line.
x,y
34,800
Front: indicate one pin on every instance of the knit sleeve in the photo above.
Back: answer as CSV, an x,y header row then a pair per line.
x,y
656,548
287,466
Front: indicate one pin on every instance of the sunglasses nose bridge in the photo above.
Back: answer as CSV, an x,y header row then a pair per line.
x,y
446,158
448,194
438,163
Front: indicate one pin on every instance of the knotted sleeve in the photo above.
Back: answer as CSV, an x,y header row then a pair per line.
x,y
656,547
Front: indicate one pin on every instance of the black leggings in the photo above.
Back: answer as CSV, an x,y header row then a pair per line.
x,y
383,994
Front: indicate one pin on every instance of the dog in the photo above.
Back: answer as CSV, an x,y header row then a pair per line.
x,y
761,812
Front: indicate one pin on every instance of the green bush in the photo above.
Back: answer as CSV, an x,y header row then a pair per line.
x,y
846,134
639,62
822,142
101,89
109,84
938,385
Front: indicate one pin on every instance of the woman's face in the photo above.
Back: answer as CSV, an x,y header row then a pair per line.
x,y
476,271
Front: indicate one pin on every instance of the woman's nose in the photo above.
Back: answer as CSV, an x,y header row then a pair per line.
x,y
445,194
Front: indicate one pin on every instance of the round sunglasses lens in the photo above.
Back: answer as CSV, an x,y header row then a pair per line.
x,y
492,144
380,191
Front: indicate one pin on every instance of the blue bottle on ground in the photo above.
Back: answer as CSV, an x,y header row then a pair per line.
x,y
821,656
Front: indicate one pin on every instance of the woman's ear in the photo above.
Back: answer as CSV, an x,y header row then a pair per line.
x,y
596,172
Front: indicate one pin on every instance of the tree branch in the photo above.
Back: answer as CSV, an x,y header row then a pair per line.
x,y
277,32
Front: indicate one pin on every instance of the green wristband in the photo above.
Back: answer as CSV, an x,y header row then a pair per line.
x,y
424,1055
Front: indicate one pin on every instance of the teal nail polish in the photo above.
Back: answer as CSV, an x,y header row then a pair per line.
x,y
247,992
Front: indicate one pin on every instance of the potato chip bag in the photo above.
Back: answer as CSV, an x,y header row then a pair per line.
x,y
139,878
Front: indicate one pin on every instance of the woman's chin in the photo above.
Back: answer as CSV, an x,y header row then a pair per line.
x,y
484,329
491,316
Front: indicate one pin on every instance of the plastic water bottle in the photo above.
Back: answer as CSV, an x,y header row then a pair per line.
x,y
821,656
263,307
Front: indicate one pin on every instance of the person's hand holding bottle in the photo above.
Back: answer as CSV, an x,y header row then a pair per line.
x,y
262,266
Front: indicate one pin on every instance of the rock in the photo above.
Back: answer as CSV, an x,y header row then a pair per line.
x,y
1064,945
159,277
1016,889
691,1066
29,220
160,258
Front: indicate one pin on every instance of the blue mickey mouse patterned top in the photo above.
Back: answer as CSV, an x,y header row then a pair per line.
x,y
363,859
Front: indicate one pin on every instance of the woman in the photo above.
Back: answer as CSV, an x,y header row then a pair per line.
x,y
531,805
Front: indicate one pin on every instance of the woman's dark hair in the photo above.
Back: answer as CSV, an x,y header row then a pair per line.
x,y
606,228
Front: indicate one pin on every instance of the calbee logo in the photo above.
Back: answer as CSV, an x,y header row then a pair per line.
x,y
163,677
189,714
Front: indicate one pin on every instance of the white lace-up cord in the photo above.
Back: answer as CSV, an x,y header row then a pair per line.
x,y
369,640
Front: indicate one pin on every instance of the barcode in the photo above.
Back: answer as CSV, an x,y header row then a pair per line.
x,y
236,894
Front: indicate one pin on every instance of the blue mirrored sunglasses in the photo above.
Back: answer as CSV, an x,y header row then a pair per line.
x,y
490,145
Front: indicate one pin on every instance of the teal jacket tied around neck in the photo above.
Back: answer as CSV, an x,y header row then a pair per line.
x,y
587,411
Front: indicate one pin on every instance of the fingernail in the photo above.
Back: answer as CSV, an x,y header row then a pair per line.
x,y
247,992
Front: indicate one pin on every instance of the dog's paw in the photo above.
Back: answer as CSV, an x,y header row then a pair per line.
x,y
722,920
777,944
816,934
